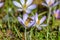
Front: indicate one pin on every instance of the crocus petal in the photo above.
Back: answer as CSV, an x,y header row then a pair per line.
x,y
25,16
39,28
43,25
1,4
32,17
57,13
31,7
47,1
20,20
55,4
44,4
42,19
36,17
22,2
28,11
19,9
17,4
29,2
52,1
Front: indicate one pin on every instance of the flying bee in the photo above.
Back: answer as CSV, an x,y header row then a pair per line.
x,y
29,19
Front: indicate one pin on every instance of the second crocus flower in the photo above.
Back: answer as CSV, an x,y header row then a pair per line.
x,y
27,6
38,23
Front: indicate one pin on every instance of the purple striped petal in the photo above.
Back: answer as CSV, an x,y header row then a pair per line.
x,y
17,4
39,28
29,2
42,19
1,4
19,9
43,25
57,13
55,4
32,17
25,16
20,20
36,17
28,11
50,2
44,4
31,7
22,2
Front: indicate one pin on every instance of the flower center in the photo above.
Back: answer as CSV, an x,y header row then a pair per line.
x,y
24,7
50,3
38,22
56,15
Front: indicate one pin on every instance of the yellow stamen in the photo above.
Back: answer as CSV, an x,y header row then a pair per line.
x,y
38,22
24,7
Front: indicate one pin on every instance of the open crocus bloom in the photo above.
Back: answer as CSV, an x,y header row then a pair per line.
x,y
38,23
26,7
57,14
50,3
1,4
26,21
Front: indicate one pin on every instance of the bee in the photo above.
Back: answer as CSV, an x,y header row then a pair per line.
x,y
29,19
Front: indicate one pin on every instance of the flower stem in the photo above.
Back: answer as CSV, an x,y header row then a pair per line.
x,y
30,33
25,34
49,15
48,22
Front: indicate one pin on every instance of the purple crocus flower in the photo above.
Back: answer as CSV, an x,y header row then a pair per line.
x,y
57,14
25,6
50,3
26,21
1,4
38,23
